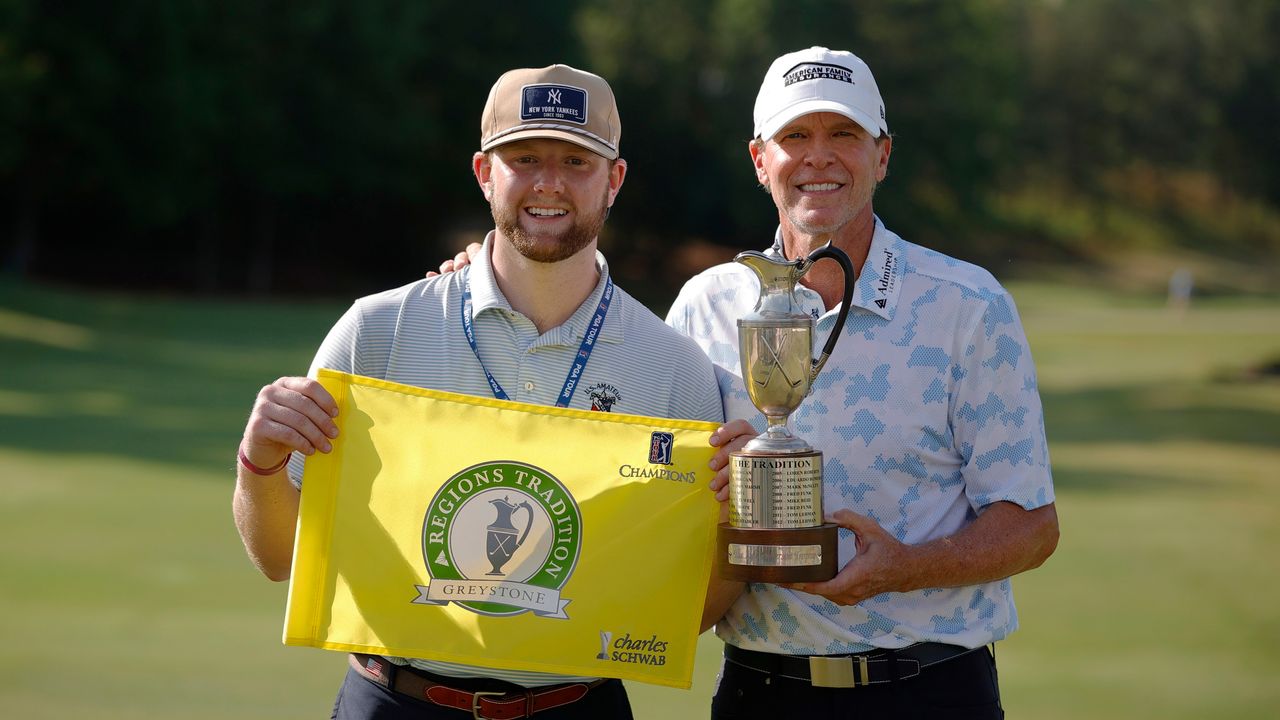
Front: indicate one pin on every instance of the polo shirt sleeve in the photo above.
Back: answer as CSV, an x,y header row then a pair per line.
x,y
695,392
678,316
360,342
996,412
700,382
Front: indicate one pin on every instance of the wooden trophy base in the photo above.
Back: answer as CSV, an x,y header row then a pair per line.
x,y
776,555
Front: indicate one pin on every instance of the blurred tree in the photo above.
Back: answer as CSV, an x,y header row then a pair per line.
x,y
234,145
237,144
685,80
1160,106
325,103
1247,144
946,71
950,76
22,73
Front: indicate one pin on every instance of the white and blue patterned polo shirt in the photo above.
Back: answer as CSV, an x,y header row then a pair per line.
x,y
926,412
413,335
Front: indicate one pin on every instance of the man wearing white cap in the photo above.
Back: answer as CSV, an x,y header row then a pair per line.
x,y
514,325
935,459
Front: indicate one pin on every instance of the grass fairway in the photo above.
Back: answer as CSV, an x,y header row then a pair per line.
x,y
124,592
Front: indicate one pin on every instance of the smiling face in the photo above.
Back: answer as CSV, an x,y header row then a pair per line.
x,y
549,198
822,170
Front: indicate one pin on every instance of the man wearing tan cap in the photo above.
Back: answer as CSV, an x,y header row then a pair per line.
x,y
935,461
514,325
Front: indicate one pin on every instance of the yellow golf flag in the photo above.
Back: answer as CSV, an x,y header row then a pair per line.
x,y
503,534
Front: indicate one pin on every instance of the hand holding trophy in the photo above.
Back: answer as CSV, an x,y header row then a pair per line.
x,y
776,531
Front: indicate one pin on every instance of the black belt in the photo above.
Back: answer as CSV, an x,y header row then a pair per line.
x,y
846,671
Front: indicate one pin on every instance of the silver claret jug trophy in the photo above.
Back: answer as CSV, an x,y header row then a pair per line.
x,y
776,531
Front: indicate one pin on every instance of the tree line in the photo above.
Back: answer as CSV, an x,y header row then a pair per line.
x,y
325,146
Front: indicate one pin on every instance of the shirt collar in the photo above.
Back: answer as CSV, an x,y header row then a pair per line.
x,y
880,279
486,296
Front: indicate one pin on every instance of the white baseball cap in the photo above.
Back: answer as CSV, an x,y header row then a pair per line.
x,y
818,80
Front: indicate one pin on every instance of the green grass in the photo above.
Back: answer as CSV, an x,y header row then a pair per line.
x,y
124,592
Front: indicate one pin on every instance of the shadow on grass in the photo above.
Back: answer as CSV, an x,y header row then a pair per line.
x,y
143,410
174,380
188,405
147,378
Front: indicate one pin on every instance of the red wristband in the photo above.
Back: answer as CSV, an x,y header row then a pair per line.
x,y
244,460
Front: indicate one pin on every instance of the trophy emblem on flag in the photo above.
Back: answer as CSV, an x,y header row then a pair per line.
x,y
500,536
776,531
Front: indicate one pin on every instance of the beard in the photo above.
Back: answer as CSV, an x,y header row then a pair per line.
x,y
585,228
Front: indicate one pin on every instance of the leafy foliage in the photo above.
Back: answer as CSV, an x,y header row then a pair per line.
x,y
237,145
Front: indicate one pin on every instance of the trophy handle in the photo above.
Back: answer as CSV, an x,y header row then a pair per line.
x,y
528,521
835,253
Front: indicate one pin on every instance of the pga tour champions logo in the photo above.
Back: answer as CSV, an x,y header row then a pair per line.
x,y
501,538
660,448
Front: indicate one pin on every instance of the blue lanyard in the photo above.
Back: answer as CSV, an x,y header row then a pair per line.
x,y
579,361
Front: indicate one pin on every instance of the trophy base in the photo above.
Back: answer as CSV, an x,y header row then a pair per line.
x,y
776,555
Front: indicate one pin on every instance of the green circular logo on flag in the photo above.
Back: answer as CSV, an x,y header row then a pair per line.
x,y
501,538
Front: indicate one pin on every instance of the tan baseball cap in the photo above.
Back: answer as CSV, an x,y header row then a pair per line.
x,y
556,102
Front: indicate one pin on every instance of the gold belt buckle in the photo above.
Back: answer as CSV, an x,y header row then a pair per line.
x,y
838,672
475,702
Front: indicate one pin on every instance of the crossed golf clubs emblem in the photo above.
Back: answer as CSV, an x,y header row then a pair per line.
x,y
777,363
501,544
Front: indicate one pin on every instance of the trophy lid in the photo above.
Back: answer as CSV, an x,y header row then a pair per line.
x,y
778,277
